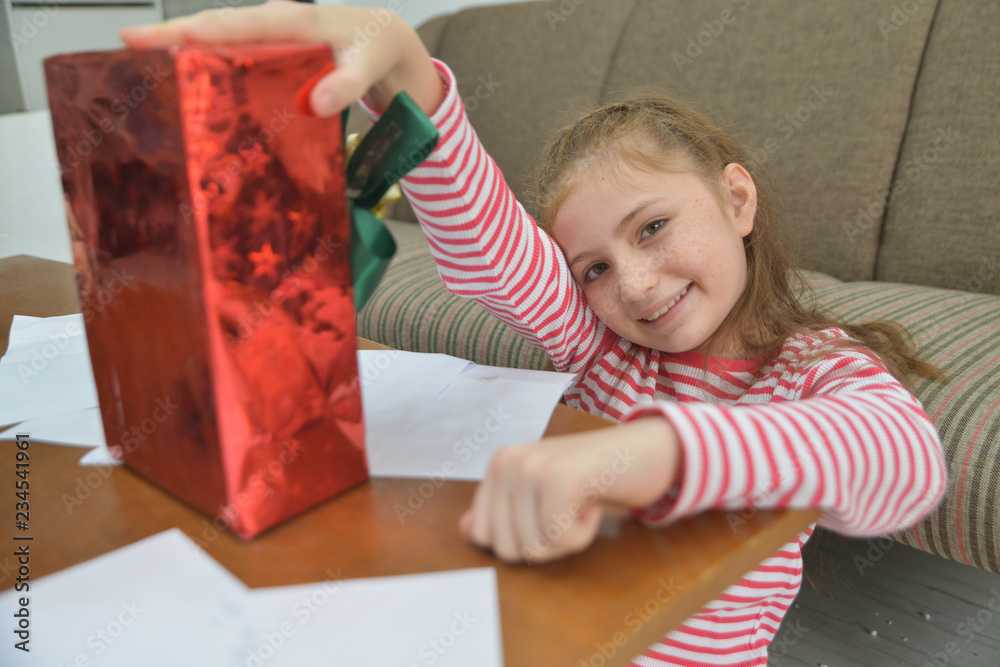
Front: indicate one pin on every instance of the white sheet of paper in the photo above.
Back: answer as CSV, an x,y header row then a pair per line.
x,y
18,326
21,329
396,386
99,456
483,409
446,619
161,598
79,428
163,601
65,331
46,370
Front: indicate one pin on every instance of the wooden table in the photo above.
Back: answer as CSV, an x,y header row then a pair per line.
x,y
602,607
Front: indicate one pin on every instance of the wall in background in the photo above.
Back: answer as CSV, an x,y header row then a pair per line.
x,y
32,215
39,31
175,8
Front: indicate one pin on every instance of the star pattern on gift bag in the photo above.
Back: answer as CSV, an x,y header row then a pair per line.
x,y
303,222
265,262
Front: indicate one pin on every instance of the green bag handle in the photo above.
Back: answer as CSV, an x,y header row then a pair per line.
x,y
395,145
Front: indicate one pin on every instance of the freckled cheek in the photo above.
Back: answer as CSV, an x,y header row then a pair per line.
x,y
671,258
602,301
667,255
695,237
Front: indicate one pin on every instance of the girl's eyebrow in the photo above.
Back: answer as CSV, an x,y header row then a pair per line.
x,y
620,229
645,203
583,255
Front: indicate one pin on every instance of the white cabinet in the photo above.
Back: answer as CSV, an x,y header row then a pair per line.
x,y
35,30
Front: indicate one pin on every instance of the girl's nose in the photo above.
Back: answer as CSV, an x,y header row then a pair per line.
x,y
637,281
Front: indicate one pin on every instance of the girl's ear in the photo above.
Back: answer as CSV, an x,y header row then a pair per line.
x,y
742,196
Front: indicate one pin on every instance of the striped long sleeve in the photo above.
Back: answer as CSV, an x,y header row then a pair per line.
x,y
487,247
821,425
840,433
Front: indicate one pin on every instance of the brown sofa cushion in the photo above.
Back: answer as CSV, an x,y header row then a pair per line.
x,y
411,310
753,70
522,74
943,223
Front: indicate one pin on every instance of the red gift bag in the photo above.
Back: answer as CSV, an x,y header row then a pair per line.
x,y
211,241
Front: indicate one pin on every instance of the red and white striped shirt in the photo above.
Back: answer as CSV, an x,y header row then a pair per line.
x,y
834,430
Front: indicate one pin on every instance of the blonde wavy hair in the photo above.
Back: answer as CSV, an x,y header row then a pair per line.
x,y
655,133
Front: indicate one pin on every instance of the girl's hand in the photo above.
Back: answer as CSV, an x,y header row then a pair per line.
x,y
377,53
542,501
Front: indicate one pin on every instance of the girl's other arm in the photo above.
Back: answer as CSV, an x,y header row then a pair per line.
x,y
855,444
544,500
858,445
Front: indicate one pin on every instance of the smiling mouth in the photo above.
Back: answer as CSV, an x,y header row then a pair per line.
x,y
663,311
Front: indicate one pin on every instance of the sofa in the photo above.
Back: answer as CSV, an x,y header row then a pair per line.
x,y
876,124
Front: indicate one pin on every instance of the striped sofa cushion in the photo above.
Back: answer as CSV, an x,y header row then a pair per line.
x,y
411,310
958,331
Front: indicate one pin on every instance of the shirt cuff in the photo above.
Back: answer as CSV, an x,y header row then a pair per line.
x,y
443,111
681,500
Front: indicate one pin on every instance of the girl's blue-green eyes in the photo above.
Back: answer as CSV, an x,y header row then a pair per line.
x,y
648,230
596,270
652,228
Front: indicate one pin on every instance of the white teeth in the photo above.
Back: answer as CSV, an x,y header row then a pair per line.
x,y
660,313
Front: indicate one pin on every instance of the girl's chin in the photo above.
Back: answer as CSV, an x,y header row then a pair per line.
x,y
679,343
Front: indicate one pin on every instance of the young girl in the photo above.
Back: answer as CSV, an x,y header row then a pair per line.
x,y
654,272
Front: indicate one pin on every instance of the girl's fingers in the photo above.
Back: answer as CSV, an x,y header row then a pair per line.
x,y
492,524
271,22
155,34
480,531
338,89
282,21
505,543
525,513
499,490
527,525
465,524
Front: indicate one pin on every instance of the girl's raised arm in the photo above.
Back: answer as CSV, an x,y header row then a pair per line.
x,y
488,248
485,244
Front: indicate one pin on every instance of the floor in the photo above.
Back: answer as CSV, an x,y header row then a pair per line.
x,y
880,603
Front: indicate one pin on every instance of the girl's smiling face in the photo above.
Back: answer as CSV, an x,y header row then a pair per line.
x,y
659,257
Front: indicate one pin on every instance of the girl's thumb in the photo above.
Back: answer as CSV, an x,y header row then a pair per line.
x,y
465,524
336,91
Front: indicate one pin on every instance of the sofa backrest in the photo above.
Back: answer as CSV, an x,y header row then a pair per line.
x,y
838,99
942,225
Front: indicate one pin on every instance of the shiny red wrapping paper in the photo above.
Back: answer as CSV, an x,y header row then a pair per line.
x,y
211,241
